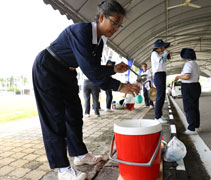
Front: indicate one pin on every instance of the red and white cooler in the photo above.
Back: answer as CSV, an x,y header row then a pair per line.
x,y
138,148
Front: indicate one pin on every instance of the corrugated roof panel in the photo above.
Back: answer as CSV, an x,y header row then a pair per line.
x,y
148,20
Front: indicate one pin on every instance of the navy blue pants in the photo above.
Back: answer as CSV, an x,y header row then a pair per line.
x,y
190,95
90,88
147,100
60,111
160,84
109,98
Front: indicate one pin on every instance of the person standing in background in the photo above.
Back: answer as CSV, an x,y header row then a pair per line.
x,y
147,85
89,88
191,90
108,92
57,92
158,60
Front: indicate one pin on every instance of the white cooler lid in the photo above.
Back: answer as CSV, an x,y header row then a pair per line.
x,y
137,127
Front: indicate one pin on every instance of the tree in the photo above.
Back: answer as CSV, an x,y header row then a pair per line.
x,y
11,81
24,80
2,81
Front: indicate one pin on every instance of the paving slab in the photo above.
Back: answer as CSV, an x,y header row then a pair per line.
x,y
22,153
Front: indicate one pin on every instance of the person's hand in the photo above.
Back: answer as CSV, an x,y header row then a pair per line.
x,y
176,78
166,51
139,84
133,89
121,68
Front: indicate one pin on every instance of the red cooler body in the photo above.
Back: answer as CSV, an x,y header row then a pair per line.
x,y
136,141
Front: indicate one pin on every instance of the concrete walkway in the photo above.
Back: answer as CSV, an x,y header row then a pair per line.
x,y
22,154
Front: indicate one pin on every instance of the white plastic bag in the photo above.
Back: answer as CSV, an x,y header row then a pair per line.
x,y
176,150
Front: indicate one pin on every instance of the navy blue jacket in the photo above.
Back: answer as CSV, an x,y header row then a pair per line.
x,y
74,46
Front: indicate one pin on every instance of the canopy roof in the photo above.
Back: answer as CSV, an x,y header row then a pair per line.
x,y
149,20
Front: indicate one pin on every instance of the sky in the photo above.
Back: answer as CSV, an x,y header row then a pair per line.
x,y
27,27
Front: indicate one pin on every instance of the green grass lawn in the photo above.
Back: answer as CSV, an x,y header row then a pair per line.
x,y
14,107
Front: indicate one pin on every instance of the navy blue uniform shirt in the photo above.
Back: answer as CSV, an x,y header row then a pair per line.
x,y
76,48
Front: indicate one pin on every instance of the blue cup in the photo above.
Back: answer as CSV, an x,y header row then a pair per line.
x,y
138,99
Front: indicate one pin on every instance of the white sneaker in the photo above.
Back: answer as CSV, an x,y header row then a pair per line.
x,y
197,129
86,115
87,159
189,132
163,118
151,106
71,174
162,121
97,115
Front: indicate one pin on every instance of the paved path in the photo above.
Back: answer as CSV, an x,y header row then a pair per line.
x,y
110,170
22,154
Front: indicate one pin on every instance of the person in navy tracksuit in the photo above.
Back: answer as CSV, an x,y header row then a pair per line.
x,y
89,88
191,90
56,89
109,95
158,60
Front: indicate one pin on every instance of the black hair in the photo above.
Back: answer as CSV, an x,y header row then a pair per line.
x,y
144,64
188,53
108,8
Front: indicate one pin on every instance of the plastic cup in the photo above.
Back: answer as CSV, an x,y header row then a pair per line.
x,y
138,99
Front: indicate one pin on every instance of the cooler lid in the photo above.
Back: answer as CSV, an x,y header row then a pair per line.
x,y
137,127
